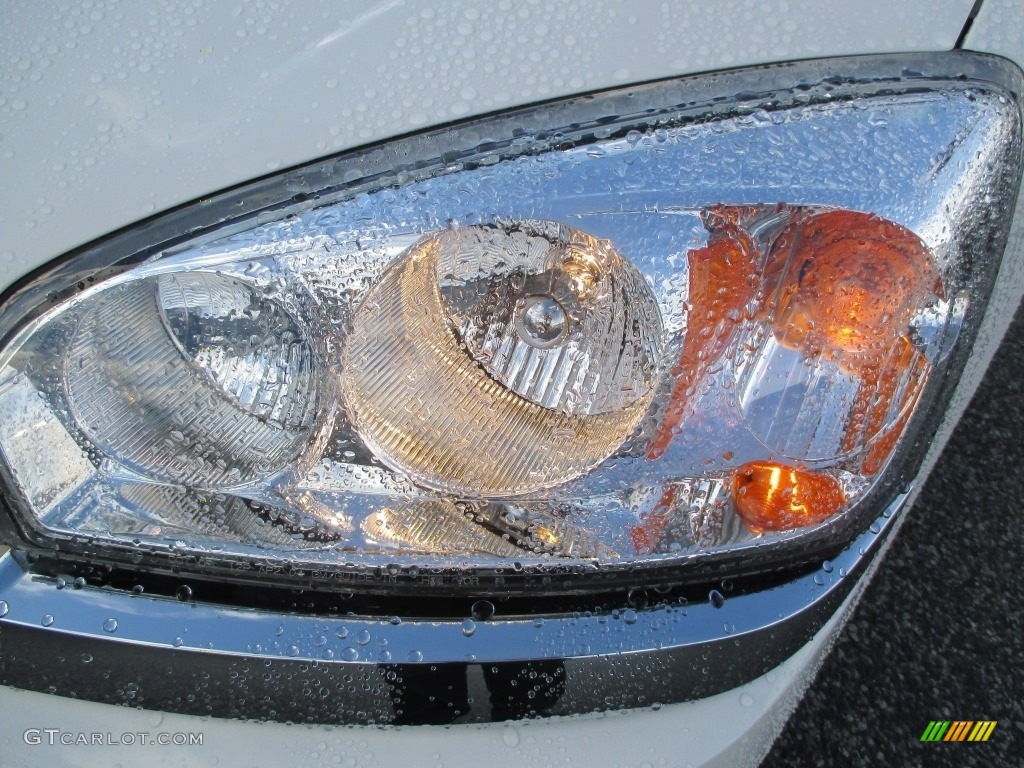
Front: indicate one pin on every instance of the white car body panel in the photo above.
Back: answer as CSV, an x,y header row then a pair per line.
x,y
110,114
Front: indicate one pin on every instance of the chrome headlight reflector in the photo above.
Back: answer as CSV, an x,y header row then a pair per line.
x,y
700,324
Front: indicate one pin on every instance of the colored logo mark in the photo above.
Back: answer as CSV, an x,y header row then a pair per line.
x,y
959,730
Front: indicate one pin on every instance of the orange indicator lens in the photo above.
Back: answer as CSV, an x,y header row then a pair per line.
x,y
775,497
853,282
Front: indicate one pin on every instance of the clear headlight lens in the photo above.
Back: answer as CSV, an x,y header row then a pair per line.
x,y
679,330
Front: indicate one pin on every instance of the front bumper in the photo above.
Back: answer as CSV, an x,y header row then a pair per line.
x,y
731,728
196,658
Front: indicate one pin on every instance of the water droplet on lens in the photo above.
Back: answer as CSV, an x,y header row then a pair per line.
x,y
482,610
110,625
746,700
637,597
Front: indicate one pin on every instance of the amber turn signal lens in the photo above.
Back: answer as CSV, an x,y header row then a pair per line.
x,y
775,497
853,282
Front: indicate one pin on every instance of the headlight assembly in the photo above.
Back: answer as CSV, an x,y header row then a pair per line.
x,y
701,326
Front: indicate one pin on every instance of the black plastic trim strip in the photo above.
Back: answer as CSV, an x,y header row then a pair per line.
x,y
975,10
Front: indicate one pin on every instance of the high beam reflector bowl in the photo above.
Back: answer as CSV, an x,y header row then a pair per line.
x,y
210,388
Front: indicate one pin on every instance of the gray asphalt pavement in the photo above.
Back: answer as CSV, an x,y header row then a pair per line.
x,y
939,633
